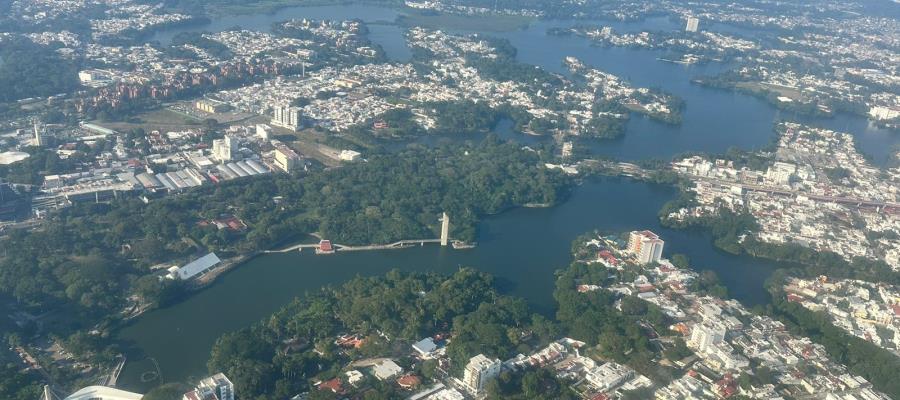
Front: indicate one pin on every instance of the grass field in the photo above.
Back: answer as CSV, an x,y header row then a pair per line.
x,y
159,119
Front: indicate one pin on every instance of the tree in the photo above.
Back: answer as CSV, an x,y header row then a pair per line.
x,y
168,391
680,260
17,385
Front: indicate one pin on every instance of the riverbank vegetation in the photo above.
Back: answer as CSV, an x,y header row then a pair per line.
x,y
282,355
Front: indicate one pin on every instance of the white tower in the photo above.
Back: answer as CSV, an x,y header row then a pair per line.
x,y
445,229
38,133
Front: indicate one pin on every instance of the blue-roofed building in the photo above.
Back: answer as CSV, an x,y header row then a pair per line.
x,y
195,267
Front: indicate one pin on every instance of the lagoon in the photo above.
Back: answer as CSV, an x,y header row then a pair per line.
x,y
521,247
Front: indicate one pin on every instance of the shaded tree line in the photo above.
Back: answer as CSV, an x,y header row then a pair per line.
x,y
31,70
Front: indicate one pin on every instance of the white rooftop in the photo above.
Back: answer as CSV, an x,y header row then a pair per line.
x,y
387,369
103,393
425,346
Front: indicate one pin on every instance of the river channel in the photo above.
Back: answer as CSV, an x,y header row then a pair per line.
x,y
521,247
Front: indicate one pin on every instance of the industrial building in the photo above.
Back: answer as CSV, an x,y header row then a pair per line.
x,y
240,169
286,159
212,106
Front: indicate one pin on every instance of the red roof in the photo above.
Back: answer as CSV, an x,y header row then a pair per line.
x,y
409,381
333,385
325,245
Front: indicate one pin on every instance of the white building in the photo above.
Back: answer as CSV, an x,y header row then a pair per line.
x,y
348,155
706,335
263,131
386,369
479,371
223,149
287,117
103,393
608,376
354,377
646,246
216,387
693,23
425,347
781,172
883,113
194,268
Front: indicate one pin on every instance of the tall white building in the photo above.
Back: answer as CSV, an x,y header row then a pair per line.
x,y
693,23
479,371
263,131
216,387
223,149
706,335
646,246
287,117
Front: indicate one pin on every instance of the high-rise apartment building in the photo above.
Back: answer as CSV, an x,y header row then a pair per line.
x,y
706,335
693,23
287,117
223,149
646,246
479,371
